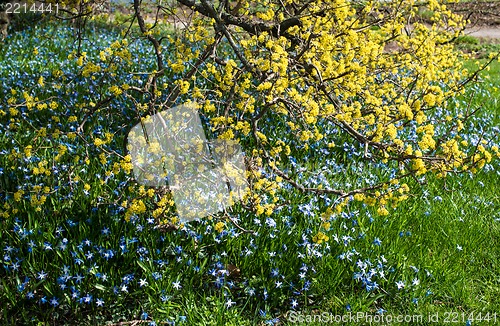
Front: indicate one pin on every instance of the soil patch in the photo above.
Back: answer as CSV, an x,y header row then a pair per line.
x,y
480,13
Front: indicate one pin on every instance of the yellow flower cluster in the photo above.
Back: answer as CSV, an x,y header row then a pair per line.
x,y
219,226
116,90
41,168
320,238
126,164
136,207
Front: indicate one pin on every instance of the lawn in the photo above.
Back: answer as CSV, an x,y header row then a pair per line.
x,y
70,257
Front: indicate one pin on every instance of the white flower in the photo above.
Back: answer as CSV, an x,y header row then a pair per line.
x,y
177,285
230,303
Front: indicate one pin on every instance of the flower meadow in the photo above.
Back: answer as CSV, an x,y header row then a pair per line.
x,y
82,243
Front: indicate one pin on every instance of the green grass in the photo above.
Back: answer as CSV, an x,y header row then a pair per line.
x,y
478,48
463,280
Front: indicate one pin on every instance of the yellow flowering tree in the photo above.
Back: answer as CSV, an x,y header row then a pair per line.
x,y
292,81
369,72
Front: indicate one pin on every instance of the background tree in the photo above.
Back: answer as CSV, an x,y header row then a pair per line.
x,y
4,20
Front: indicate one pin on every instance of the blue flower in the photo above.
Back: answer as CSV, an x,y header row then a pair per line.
x,y
86,299
54,302
21,287
78,278
41,275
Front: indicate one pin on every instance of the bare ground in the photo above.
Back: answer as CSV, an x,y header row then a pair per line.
x,y
484,17
484,32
